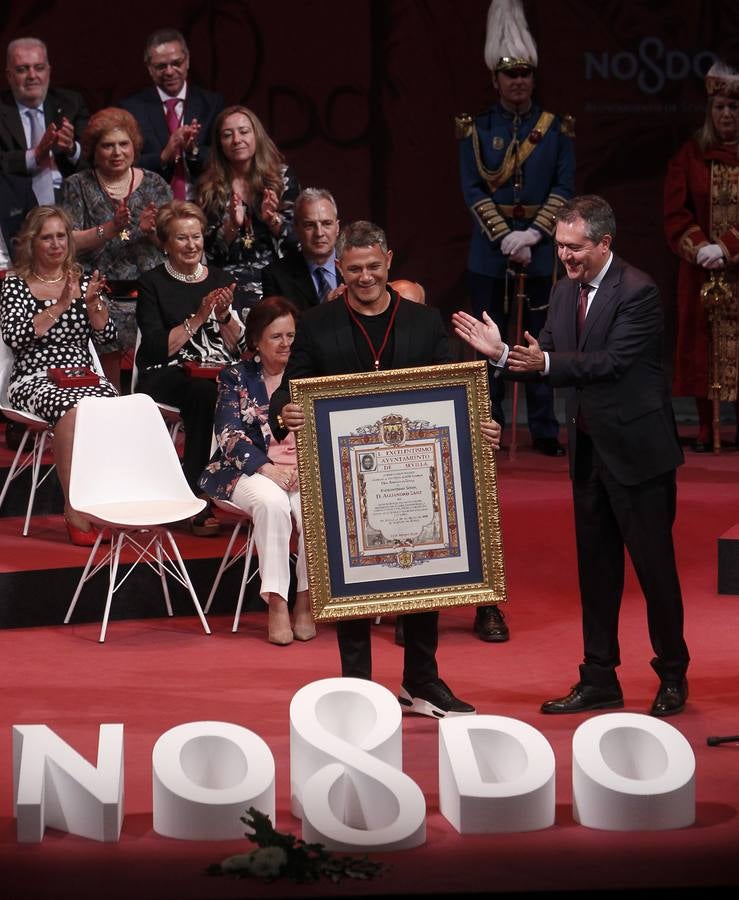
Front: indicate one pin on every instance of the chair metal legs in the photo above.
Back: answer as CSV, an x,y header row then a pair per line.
x,y
21,462
152,551
245,552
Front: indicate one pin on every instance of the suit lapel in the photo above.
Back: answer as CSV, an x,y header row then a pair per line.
x,y
344,336
155,113
193,108
603,298
12,121
303,281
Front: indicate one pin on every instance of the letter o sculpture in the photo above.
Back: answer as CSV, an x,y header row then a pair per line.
x,y
205,775
632,772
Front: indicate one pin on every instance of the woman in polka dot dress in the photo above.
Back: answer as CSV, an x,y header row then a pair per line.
x,y
48,313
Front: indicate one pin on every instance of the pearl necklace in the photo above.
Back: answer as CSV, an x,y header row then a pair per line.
x,y
180,276
120,188
47,280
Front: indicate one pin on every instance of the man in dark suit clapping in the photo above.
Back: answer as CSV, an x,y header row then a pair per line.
x,y
40,126
175,116
602,343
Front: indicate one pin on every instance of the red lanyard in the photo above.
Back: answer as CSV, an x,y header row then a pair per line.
x,y
376,355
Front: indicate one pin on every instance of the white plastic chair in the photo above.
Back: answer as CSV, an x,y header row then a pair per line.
x,y
37,430
172,415
126,477
245,551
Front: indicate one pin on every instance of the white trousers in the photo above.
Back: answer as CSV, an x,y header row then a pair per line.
x,y
272,510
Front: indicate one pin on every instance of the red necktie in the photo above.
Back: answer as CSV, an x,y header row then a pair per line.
x,y
179,177
582,307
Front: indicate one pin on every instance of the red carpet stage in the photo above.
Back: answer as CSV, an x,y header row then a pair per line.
x,y
154,673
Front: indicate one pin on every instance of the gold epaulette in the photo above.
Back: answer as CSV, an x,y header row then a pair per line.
x,y
462,126
567,125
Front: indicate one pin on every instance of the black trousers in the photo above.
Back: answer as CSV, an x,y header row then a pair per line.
x,y
196,399
608,517
421,634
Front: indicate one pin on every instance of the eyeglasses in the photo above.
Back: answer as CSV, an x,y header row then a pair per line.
x,y
174,64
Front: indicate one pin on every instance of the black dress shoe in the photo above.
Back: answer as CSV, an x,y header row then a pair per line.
x,y
433,699
583,697
700,446
670,698
490,625
548,446
399,633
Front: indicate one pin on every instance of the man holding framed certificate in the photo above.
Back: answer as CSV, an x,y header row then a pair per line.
x,y
371,328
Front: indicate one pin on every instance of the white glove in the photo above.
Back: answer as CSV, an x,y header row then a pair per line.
x,y
522,256
516,240
710,257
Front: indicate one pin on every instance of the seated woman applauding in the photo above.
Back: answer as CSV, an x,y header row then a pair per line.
x,y
261,475
49,313
184,315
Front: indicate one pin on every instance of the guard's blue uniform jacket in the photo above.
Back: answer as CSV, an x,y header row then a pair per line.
x,y
503,196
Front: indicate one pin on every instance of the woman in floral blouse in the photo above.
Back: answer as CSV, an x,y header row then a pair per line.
x,y
261,475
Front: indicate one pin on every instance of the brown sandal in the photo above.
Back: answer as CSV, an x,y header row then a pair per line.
x,y
205,524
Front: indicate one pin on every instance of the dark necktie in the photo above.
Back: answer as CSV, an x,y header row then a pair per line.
x,y
323,283
179,177
582,307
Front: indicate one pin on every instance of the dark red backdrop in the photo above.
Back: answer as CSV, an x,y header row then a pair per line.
x,y
360,95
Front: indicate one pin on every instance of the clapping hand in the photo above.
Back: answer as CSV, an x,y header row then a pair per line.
x,y
64,136
526,359
122,217
270,205
223,300
483,336
236,212
148,219
190,136
94,293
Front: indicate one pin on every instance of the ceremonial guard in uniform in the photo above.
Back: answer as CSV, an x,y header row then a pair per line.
x,y
517,168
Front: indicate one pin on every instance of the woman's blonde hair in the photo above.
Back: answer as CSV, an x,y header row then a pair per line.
x,y
265,171
34,222
175,210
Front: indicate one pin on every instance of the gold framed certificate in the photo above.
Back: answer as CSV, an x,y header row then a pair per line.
x,y
398,491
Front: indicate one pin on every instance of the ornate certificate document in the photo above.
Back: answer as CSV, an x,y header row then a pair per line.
x,y
398,491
